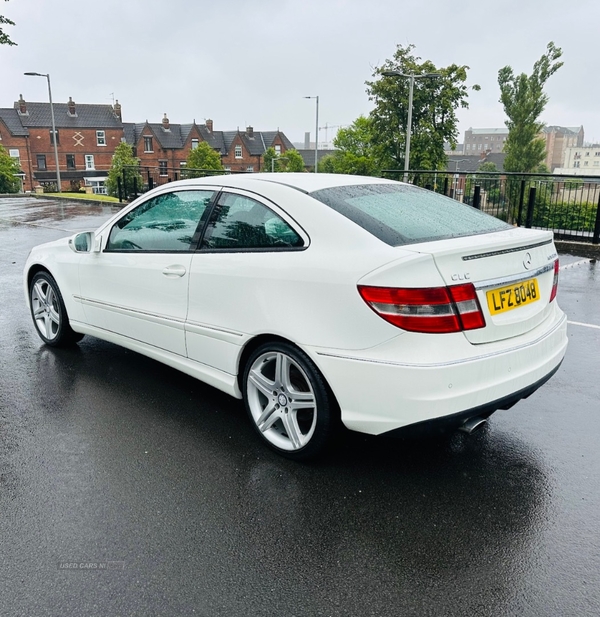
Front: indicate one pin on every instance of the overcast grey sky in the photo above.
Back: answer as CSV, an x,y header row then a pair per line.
x,y
250,63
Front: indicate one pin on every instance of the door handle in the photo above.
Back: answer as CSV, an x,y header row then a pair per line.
x,y
174,271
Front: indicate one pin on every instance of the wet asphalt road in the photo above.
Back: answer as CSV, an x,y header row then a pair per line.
x,y
107,457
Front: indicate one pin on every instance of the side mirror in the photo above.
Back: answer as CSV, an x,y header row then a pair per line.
x,y
85,242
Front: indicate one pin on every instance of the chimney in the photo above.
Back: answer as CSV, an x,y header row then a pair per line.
x,y
209,125
250,132
165,122
71,107
22,106
117,110
307,140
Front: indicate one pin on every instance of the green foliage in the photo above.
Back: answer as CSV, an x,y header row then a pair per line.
x,y
9,183
291,161
4,38
294,162
123,162
355,153
270,162
356,138
562,215
435,101
488,166
524,101
348,163
202,158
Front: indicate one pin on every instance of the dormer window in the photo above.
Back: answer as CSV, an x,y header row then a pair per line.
x,y
194,143
238,152
148,144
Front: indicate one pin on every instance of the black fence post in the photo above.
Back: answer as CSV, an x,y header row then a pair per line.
x,y
596,238
477,197
521,202
530,207
125,192
135,187
428,187
150,182
120,189
446,185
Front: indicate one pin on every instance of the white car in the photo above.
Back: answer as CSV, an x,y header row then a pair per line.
x,y
315,297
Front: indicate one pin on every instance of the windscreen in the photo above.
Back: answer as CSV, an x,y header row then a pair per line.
x,y
402,214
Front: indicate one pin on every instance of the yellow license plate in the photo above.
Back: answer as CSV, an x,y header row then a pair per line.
x,y
511,297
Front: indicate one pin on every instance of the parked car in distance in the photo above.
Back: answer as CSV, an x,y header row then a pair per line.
x,y
315,298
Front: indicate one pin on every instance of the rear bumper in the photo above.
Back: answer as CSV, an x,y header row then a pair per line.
x,y
381,395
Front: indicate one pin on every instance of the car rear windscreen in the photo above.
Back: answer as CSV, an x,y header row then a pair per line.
x,y
401,214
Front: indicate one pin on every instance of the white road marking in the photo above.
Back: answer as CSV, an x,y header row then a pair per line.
x,y
582,262
585,325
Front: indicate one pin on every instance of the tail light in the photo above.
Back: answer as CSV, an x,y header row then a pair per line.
x,y
555,281
433,310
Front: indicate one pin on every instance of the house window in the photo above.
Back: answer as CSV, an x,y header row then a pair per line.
x,y
41,161
14,154
51,138
227,167
100,138
89,161
182,163
194,144
148,144
238,152
278,149
70,161
162,168
250,168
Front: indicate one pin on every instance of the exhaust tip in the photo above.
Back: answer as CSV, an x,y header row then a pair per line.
x,y
472,424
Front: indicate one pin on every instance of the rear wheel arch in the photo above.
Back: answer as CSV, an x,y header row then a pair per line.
x,y
329,413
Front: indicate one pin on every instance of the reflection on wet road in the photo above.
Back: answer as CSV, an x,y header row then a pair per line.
x,y
107,456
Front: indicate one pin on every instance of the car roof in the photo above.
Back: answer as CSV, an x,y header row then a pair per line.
x,y
305,182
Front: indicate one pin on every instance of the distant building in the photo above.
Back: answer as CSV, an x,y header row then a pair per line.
x,y
484,140
87,136
461,163
581,161
558,139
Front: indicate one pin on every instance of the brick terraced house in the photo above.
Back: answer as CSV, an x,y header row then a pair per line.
x,y
87,135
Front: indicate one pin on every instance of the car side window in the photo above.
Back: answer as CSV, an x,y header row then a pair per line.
x,y
164,223
239,222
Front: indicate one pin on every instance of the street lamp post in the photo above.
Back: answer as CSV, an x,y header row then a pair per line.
x,y
47,76
411,82
316,132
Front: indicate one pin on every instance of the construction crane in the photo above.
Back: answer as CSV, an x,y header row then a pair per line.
x,y
326,129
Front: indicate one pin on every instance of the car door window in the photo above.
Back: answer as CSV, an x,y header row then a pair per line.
x,y
164,223
239,222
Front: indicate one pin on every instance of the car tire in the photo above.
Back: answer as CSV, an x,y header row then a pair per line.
x,y
288,401
49,313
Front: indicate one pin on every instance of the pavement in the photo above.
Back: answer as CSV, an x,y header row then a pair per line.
x,y
127,488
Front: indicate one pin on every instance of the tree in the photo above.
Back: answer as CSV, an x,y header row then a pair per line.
x,y
270,162
355,153
488,166
204,158
4,38
524,100
291,160
435,101
123,166
9,182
